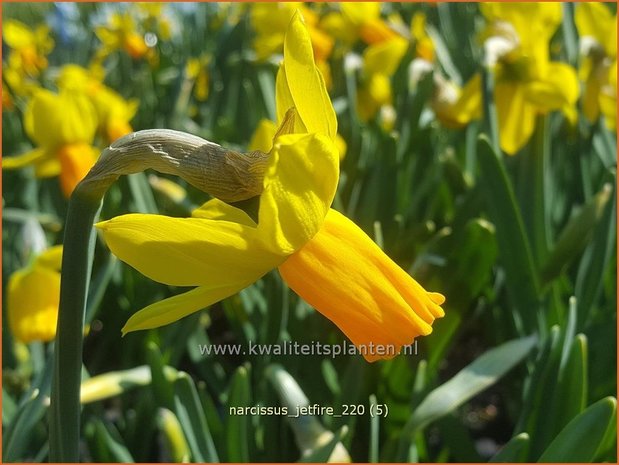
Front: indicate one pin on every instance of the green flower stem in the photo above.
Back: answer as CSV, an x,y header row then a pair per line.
x,y
491,120
64,419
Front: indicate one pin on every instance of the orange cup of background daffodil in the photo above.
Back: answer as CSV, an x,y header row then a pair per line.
x,y
322,255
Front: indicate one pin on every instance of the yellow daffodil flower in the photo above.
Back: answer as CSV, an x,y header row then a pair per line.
x,y
527,83
63,127
323,256
121,34
424,47
114,113
270,21
27,57
33,294
197,72
29,48
369,26
380,61
597,28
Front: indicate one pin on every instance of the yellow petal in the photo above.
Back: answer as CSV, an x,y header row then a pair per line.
x,y
32,304
262,138
360,12
466,107
299,187
174,308
305,83
52,120
350,280
188,251
50,258
16,34
515,114
595,20
374,31
384,57
25,159
47,167
555,90
608,98
534,22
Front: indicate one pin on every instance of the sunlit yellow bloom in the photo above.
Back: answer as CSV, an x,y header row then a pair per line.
x,y
155,19
121,34
63,127
222,250
197,71
270,21
455,106
597,28
424,47
380,61
33,294
29,48
527,83
365,17
114,113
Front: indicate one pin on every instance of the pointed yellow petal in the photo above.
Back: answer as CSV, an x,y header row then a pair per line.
x,y
384,57
360,12
16,34
188,251
557,89
515,114
350,280
174,308
32,304
305,82
25,159
595,20
299,187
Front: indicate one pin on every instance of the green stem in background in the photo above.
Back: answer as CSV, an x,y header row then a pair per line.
x,y
227,175
491,120
535,189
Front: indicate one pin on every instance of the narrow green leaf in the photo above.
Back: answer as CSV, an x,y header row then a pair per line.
x,y
573,385
575,235
470,381
513,451
106,443
323,454
374,434
163,388
514,249
189,412
596,258
237,431
580,440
